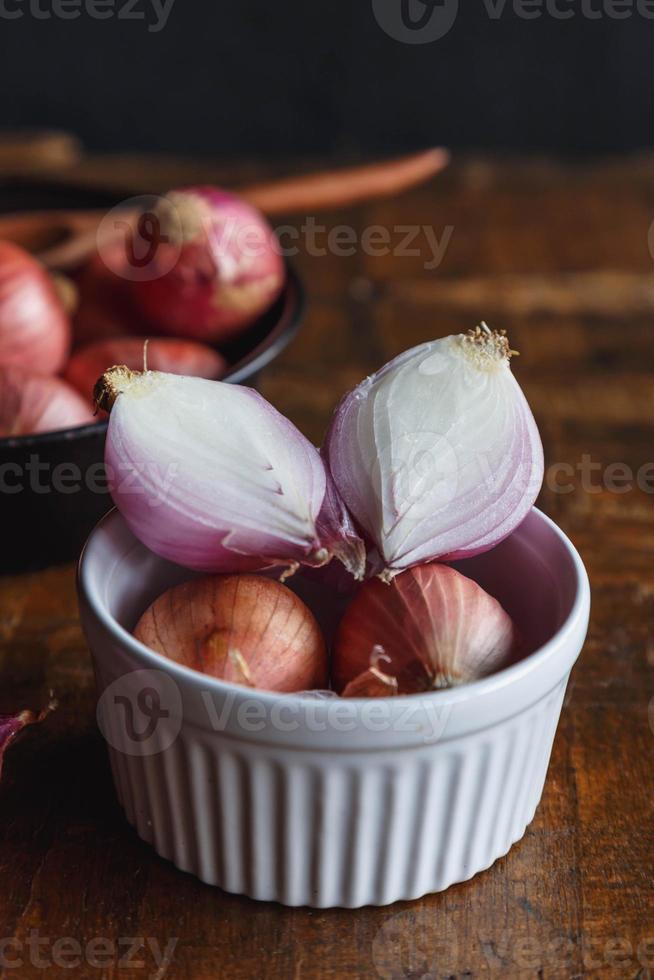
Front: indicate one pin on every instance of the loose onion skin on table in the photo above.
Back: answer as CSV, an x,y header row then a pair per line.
x,y
12,725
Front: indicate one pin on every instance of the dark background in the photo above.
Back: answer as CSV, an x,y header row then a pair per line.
x,y
320,77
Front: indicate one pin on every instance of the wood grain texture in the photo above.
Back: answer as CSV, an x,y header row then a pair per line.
x,y
558,256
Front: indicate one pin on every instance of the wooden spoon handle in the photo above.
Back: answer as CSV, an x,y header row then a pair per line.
x,y
60,239
338,188
63,239
32,152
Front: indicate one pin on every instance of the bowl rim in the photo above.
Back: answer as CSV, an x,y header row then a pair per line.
x,y
278,338
493,684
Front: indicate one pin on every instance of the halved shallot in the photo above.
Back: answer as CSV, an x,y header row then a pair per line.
x,y
209,474
437,455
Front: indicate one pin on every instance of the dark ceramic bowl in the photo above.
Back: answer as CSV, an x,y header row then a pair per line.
x,y
52,486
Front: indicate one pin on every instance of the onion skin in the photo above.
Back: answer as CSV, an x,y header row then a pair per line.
x,y
12,725
33,403
34,327
163,354
430,628
437,456
338,533
227,273
245,629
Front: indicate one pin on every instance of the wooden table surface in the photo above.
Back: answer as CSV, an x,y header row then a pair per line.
x,y
559,256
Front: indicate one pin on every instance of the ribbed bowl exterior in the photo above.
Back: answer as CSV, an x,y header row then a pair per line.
x,y
341,816
367,829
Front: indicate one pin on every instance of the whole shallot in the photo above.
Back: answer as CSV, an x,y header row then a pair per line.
x,y
246,629
430,628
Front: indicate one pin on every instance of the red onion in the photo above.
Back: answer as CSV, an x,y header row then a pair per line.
x,y
106,305
209,474
34,327
31,403
437,455
430,628
217,266
242,628
163,354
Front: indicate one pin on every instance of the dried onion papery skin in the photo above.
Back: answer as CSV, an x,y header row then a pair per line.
x,y
247,629
437,455
34,327
34,403
338,533
218,266
430,628
209,475
12,725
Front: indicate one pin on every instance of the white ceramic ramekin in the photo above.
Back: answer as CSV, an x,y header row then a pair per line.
x,y
332,802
